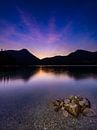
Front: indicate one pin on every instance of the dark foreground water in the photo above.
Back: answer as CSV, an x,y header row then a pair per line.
x,y
26,93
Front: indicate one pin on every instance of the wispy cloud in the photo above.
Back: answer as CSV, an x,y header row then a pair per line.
x,y
42,42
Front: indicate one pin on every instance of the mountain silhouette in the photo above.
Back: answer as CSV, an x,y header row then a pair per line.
x,y
24,57
21,57
79,57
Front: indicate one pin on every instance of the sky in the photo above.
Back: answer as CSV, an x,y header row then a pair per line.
x,y
48,27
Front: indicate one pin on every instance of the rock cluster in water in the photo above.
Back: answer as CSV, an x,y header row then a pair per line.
x,y
74,105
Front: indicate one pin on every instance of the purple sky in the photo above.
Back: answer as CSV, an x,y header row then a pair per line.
x,y
45,39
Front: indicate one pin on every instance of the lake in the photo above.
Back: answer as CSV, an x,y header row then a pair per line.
x,y
26,94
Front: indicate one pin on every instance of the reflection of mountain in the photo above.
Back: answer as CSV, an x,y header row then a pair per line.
x,y
17,73
25,73
77,72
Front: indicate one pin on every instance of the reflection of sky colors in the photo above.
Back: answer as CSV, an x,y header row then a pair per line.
x,y
45,77
38,78
48,29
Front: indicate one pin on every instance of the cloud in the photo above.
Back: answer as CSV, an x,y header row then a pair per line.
x,y
42,42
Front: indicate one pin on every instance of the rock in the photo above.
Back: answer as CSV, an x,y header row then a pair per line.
x,y
74,105
66,101
89,112
84,103
73,109
58,104
56,109
61,103
62,108
75,99
65,113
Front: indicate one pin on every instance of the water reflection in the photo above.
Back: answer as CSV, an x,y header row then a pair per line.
x,y
76,72
7,74
25,97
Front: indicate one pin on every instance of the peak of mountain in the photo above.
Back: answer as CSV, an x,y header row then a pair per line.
x,y
24,57
80,52
20,57
24,51
78,57
17,51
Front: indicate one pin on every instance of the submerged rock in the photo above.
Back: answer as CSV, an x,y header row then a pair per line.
x,y
65,113
89,112
74,105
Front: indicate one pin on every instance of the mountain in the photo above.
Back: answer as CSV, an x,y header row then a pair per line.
x,y
21,57
24,57
79,57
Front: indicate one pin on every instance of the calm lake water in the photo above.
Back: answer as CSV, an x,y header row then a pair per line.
x,y
26,94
